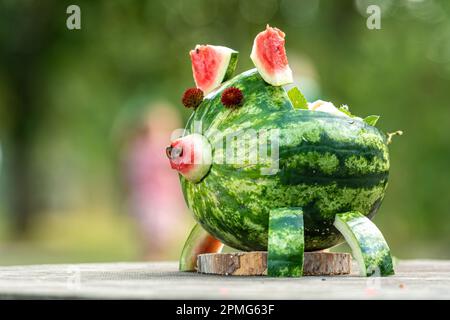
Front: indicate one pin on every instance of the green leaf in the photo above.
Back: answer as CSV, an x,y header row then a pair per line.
x,y
297,98
371,120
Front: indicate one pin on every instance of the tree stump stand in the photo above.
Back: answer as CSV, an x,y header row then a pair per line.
x,y
254,263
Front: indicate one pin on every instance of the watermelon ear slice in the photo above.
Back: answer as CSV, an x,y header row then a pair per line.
x,y
269,56
211,65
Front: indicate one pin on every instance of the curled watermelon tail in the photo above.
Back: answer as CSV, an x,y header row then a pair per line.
x,y
198,242
390,135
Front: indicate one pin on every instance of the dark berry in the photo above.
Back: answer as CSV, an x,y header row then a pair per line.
x,y
192,98
232,97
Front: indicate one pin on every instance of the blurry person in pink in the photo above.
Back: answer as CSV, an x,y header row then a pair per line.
x,y
155,196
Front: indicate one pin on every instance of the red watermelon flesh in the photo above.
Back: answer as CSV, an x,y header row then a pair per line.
x,y
211,65
269,56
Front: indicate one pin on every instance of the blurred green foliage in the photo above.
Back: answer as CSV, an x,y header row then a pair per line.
x,y
66,96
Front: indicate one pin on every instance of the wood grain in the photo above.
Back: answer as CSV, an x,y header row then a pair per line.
x,y
255,263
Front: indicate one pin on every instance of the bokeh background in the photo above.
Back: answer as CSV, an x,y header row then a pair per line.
x,y
85,114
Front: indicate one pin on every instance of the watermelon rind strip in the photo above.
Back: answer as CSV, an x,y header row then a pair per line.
x,y
285,243
368,245
196,243
232,64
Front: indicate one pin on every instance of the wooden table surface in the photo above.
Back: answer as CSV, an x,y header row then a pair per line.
x,y
415,279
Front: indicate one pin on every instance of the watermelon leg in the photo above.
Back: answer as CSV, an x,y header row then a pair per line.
x,y
285,243
368,245
198,242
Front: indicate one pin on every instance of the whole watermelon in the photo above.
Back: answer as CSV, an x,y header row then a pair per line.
x,y
328,164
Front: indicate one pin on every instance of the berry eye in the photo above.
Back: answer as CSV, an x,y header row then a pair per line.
x,y
232,97
192,98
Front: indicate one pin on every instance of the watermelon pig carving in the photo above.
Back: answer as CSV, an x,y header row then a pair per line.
x,y
294,176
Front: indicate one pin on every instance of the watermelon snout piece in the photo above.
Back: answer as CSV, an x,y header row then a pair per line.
x,y
191,156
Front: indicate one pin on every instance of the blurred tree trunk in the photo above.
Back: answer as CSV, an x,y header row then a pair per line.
x,y
27,37
21,173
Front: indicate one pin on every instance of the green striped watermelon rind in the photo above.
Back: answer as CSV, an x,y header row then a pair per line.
x,y
232,64
328,164
198,242
286,243
367,243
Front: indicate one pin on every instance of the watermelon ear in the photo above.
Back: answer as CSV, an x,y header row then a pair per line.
x,y
269,56
211,65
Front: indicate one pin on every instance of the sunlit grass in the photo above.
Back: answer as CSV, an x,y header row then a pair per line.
x,y
78,236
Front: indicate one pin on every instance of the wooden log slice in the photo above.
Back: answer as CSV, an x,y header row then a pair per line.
x,y
254,263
